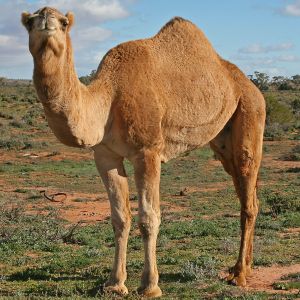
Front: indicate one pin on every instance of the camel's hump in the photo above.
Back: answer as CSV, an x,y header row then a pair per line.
x,y
178,23
182,33
180,27
172,22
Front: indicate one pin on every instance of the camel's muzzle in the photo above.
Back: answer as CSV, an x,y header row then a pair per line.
x,y
46,23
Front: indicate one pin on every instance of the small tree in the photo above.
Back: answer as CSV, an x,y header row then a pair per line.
x,y
296,79
285,85
278,79
261,80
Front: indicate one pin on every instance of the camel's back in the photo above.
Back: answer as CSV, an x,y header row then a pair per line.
x,y
172,89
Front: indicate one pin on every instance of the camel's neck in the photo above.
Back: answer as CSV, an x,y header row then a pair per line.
x,y
76,113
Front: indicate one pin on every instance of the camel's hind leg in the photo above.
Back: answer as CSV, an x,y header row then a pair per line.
x,y
239,147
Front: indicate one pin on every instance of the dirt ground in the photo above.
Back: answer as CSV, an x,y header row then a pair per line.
x,y
263,278
89,208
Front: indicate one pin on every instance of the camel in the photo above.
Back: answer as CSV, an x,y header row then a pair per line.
x,y
150,101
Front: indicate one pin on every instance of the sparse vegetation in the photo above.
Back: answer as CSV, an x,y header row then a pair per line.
x,y
294,155
44,255
283,105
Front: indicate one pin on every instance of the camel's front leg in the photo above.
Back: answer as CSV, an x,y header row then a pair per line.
x,y
147,177
111,169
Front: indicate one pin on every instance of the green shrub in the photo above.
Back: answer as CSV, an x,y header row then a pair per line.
x,y
274,132
193,228
280,203
279,119
294,155
202,269
15,144
16,124
277,112
296,105
286,86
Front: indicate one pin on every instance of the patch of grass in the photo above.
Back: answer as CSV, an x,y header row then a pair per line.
x,y
293,170
66,167
15,144
16,124
291,219
31,274
34,197
293,276
189,229
204,153
84,200
294,155
203,268
20,143
286,285
23,191
44,257
6,116
280,204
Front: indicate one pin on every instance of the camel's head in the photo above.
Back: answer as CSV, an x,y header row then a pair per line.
x,y
47,28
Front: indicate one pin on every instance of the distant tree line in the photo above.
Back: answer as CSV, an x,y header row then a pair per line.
x,y
279,83
88,78
282,96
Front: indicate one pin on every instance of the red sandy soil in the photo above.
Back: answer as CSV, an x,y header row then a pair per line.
x,y
95,207
91,208
76,207
263,278
290,233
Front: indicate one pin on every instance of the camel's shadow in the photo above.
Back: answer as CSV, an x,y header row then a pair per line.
x,y
39,274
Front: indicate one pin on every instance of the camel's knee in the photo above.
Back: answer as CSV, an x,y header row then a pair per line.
x,y
249,214
121,224
149,224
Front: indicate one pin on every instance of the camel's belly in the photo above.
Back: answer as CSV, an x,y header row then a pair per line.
x,y
180,139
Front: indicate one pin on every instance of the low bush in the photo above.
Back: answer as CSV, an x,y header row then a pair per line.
x,y
294,155
280,203
202,268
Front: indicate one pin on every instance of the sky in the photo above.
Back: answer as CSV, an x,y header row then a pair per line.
x,y
256,35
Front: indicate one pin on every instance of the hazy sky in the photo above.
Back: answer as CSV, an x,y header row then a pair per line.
x,y
257,35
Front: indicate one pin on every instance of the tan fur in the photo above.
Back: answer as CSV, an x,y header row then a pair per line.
x,y
150,101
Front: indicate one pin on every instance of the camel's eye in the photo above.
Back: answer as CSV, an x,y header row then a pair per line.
x,y
30,23
64,23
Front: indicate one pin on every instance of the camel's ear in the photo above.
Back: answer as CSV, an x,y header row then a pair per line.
x,y
25,17
70,17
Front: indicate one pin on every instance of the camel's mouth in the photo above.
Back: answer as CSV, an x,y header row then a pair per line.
x,y
48,30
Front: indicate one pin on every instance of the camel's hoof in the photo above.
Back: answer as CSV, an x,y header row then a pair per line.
x,y
248,271
152,292
239,280
119,289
